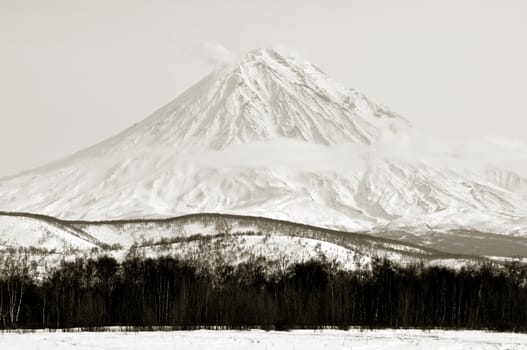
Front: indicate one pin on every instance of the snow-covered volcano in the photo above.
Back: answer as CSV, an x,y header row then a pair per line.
x,y
264,97
273,136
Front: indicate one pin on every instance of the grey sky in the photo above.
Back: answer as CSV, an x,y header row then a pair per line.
x,y
75,72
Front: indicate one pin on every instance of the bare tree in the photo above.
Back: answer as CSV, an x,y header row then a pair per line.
x,y
16,269
223,226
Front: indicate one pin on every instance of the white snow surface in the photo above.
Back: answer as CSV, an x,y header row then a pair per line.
x,y
271,136
256,339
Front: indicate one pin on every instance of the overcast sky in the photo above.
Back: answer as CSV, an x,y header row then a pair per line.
x,y
73,73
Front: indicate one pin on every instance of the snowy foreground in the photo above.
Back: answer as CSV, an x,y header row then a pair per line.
x,y
256,339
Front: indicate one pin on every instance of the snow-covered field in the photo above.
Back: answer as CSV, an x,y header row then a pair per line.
x,y
256,339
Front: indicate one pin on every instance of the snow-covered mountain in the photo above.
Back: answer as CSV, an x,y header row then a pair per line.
x,y
272,136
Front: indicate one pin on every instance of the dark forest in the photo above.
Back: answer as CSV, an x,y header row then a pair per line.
x,y
141,293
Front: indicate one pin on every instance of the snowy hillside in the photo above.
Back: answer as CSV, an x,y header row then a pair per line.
x,y
25,232
214,239
271,136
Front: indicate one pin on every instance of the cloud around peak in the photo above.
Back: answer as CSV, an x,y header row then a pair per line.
x,y
214,54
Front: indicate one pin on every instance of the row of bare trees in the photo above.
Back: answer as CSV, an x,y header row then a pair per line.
x,y
143,292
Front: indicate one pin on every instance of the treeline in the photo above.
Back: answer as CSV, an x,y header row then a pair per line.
x,y
143,292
